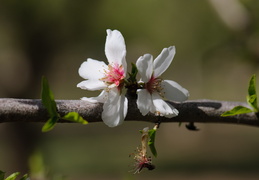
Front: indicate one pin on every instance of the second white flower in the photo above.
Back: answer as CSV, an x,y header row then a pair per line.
x,y
154,89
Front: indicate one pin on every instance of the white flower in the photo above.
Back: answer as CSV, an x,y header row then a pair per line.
x,y
155,90
109,78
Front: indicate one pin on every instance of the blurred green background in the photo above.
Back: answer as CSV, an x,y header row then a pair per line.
x,y
217,44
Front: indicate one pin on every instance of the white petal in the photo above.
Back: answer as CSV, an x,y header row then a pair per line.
x,y
145,67
115,48
91,85
162,108
92,69
101,98
115,108
174,91
163,60
144,101
124,65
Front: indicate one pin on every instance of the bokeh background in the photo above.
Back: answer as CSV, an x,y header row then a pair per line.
x,y
217,43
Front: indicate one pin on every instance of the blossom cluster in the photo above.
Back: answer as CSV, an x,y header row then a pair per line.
x,y
152,90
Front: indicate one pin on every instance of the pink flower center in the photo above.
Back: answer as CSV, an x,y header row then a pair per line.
x,y
114,75
154,85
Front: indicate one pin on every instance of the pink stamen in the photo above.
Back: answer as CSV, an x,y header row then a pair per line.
x,y
114,75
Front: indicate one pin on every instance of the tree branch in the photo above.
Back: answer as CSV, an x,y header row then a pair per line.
x,y
202,111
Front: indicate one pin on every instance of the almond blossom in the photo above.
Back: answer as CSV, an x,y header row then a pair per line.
x,y
108,78
154,89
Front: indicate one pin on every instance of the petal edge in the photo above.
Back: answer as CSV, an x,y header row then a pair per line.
x,y
163,60
115,48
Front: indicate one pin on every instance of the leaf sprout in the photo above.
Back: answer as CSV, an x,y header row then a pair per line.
x,y
251,101
49,103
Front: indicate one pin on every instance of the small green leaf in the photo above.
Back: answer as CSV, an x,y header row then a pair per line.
x,y
25,177
252,96
49,103
47,98
2,174
133,74
134,69
75,117
12,176
49,125
237,110
151,142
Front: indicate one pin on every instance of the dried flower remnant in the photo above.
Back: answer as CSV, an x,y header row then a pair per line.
x,y
141,159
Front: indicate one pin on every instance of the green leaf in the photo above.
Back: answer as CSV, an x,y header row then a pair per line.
x,y
12,176
49,125
133,74
237,110
151,142
47,98
252,96
2,174
134,70
49,103
25,177
75,117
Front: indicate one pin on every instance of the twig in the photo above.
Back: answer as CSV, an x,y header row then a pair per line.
x,y
202,111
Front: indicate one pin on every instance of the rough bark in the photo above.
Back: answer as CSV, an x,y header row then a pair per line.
x,y
202,111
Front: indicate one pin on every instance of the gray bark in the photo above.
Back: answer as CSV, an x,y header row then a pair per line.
x,y
202,111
